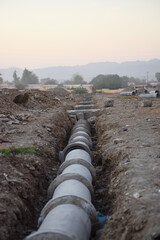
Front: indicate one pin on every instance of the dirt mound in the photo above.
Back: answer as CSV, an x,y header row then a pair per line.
x,y
21,98
12,100
6,101
60,92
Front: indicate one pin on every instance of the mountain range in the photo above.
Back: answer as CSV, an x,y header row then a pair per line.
x,y
137,69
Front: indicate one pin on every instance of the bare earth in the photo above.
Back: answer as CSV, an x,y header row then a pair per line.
x,y
24,179
126,156
129,143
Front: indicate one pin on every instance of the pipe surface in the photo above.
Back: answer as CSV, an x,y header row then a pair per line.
x,y
69,214
68,176
80,133
78,153
89,106
79,169
149,95
81,139
81,202
75,146
64,222
88,165
74,188
79,128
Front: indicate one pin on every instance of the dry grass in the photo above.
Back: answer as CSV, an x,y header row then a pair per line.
x,y
109,91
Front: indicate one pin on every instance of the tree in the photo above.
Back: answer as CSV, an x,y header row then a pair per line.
x,y
125,81
77,79
1,79
49,81
29,78
16,79
112,81
157,75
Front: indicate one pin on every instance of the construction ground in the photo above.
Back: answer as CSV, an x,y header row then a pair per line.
x,y
126,157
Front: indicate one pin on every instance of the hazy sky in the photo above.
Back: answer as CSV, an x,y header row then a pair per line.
x,y
41,33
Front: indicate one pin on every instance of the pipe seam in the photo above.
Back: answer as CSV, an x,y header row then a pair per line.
x,y
80,133
86,205
81,129
81,139
72,146
67,176
88,165
48,236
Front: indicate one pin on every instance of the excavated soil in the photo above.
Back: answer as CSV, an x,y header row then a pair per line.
x,y
126,157
24,178
128,168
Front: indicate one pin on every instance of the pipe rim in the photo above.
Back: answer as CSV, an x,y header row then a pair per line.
x,y
83,121
73,146
81,139
86,164
77,129
81,125
68,176
47,235
80,133
80,202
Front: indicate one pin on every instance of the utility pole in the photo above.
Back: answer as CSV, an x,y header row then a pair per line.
x,y
147,78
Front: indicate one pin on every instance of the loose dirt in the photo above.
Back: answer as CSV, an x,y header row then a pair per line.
x,y
126,157
128,168
41,123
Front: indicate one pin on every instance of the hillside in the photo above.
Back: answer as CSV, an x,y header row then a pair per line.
x,y
133,68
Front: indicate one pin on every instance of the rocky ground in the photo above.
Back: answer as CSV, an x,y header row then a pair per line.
x,y
126,156
31,137
128,166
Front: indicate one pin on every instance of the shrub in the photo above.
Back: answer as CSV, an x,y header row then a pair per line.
x,y
20,86
80,90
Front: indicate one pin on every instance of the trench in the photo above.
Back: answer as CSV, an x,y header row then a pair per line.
x,y
102,200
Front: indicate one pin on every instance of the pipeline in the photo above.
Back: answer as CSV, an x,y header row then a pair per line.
x,y
69,214
151,94
128,93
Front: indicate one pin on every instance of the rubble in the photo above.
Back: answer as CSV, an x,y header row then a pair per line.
x,y
146,103
108,103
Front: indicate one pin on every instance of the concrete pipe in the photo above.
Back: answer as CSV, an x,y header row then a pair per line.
x,y
80,202
80,133
67,221
83,121
74,188
78,154
78,169
86,102
81,139
67,176
80,125
69,214
151,94
77,129
83,162
75,146
128,93
79,107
